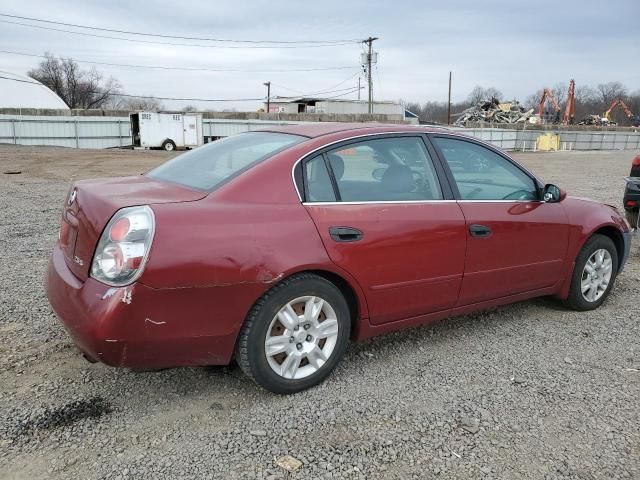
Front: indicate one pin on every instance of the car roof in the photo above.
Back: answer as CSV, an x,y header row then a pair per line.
x,y
318,129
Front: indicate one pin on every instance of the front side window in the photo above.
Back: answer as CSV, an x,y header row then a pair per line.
x,y
481,174
206,167
385,169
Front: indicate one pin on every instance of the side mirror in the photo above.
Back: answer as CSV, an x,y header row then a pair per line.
x,y
553,194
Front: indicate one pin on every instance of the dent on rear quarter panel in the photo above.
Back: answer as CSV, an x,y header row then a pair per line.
x,y
213,244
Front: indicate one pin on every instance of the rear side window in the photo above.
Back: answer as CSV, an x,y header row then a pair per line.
x,y
482,174
206,167
318,182
387,169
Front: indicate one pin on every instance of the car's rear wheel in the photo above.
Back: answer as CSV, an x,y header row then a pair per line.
x,y
594,274
295,334
632,217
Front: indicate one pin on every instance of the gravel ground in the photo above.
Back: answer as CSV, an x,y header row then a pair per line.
x,y
527,391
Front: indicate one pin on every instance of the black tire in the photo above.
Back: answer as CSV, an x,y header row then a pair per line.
x,y
250,348
632,217
168,145
576,300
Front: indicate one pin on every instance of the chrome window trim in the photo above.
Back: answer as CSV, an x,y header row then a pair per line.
x,y
384,202
501,201
381,202
445,131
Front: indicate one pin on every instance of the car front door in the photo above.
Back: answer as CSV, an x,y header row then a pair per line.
x,y
516,242
385,216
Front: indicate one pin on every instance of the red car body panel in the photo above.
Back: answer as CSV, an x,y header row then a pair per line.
x,y
398,235
95,203
526,250
214,255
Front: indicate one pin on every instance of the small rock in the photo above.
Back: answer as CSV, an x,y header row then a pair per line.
x,y
288,463
470,425
568,360
258,433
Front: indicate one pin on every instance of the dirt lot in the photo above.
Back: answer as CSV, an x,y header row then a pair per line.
x,y
527,391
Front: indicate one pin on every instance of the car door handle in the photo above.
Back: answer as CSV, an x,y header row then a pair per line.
x,y
345,234
481,231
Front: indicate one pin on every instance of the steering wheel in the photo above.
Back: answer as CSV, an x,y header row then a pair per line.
x,y
518,195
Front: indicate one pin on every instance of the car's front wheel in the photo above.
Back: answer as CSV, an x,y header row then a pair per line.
x,y
295,334
594,274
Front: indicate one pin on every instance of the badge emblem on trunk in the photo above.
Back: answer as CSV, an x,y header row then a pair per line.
x,y
72,196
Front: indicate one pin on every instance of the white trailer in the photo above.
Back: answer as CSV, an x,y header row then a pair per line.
x,y
168,131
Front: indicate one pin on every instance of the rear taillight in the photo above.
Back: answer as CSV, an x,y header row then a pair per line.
x,y
124,246
636,162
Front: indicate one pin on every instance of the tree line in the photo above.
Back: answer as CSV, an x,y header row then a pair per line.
x,y
589,101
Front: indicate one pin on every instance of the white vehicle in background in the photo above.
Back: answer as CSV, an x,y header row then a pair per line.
x,y
169,131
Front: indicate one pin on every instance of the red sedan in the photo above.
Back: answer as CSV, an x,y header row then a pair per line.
x,y
278,247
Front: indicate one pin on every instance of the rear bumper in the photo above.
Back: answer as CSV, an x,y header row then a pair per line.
x,y
138,326
632,194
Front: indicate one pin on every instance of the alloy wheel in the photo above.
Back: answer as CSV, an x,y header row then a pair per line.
x,y
301,337
596,275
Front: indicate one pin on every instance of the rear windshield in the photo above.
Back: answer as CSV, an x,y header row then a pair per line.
x,y
208,166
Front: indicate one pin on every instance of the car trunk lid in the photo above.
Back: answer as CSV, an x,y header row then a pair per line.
x,y
91,203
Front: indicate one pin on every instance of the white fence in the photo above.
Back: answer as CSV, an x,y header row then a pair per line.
x,y
509,139
108,132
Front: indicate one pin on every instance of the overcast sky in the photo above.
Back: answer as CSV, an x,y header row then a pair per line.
x,y
515,46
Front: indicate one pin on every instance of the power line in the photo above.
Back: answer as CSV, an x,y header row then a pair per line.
x,y
330,89
189,69
151,96
135,40
176,37
177,98
320,92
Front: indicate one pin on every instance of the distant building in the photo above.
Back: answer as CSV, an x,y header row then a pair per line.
x,y
20,91
394,111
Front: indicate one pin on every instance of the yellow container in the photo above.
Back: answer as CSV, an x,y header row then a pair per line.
x,y
548,142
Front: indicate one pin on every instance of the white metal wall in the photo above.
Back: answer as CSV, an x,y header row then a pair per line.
x,y
107,132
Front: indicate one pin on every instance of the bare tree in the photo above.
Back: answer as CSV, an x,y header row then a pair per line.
x,y
481,94
611,91
148,104
78,88
560,91
190,108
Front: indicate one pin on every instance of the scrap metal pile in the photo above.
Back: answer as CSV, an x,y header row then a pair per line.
x,y
596,120
494,112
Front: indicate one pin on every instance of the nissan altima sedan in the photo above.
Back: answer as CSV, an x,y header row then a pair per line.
x,y
276,248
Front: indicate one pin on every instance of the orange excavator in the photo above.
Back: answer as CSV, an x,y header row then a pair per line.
x,y
634,119
569,112
569,116
548,94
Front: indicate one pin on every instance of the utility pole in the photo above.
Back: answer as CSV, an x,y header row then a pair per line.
x,y
449,103
359,88
369,41
268,85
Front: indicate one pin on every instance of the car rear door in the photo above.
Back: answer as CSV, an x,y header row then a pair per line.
x,y
385,215
516,242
